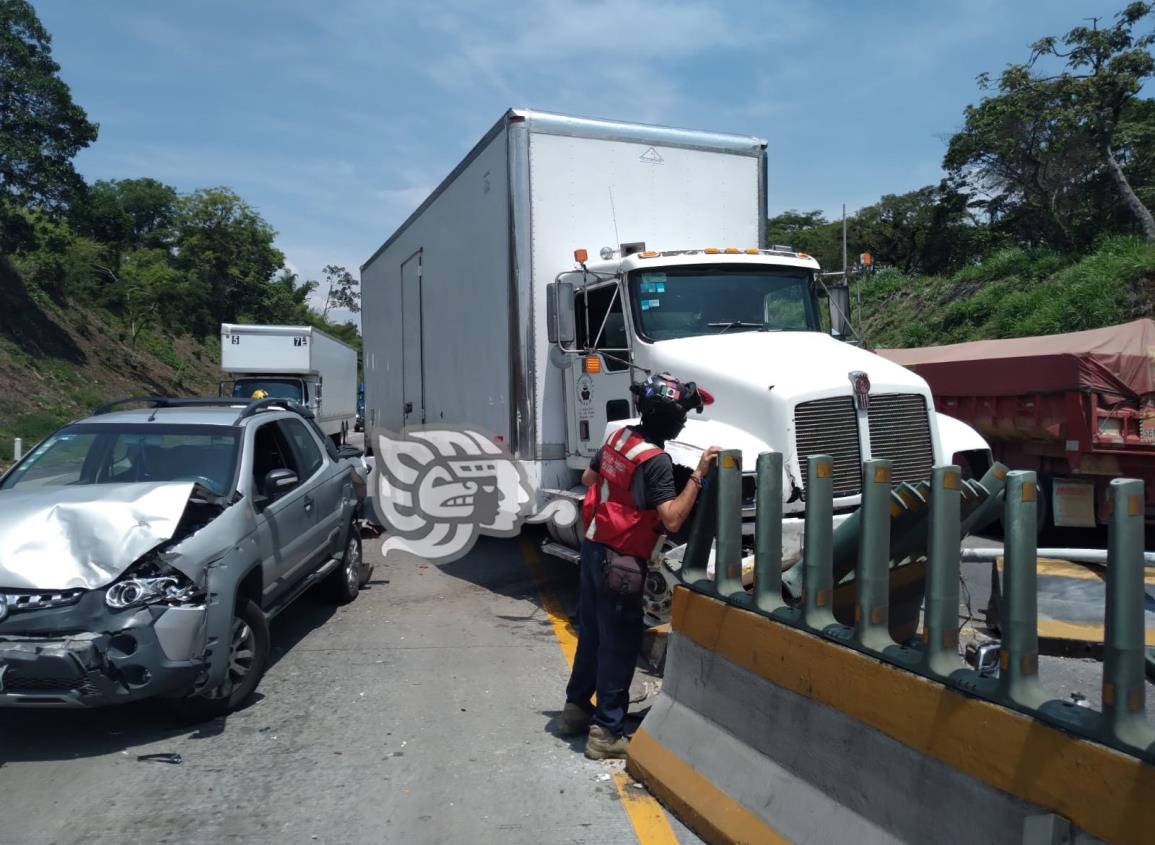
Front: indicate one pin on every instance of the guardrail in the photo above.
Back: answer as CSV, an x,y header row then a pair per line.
x,y
904,522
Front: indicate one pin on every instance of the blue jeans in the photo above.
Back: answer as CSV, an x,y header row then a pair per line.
x,y
609,640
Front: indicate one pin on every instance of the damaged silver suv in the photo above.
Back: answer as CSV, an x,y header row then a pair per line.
x,y
143,552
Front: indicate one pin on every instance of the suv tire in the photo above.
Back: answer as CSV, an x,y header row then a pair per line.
x,y
249,650
344,583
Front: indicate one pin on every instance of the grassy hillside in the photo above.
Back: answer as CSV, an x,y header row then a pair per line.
x,y
1012,293
58,361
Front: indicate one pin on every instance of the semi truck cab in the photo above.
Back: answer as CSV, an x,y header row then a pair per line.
x,y
746,324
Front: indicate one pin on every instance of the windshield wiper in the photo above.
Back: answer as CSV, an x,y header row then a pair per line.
x,y
735,324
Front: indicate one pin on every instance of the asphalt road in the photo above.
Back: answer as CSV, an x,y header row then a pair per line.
x,y
421,713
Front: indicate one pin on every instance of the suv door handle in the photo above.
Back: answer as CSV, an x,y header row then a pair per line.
x,y
308,503
409,407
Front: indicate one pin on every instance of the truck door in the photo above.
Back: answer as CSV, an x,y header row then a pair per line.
x,y
412,360
598,385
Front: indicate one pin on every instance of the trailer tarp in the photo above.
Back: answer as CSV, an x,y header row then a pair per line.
x,y
1117,361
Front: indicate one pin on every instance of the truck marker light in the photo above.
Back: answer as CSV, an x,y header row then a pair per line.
x,y
649,255
592,364
752,250
711,250
802,254
732,250
581,256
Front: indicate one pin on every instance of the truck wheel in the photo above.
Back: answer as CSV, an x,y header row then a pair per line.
x,y
248,661
344,582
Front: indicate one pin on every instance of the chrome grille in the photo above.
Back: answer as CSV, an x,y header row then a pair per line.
x,y
24,600
830,427
900,432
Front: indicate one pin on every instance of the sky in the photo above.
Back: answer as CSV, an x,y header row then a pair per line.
x,y
336,119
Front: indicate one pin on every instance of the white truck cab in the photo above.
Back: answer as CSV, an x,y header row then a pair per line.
x,y
744,323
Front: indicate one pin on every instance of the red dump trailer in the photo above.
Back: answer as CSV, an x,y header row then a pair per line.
x,y
1077,408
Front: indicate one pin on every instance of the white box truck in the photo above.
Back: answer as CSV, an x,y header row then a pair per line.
x,y
294,362
565,257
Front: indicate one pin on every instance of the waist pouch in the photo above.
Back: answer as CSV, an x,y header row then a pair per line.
x,y
623,575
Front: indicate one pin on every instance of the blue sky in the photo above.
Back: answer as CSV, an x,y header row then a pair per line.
x,y
335,119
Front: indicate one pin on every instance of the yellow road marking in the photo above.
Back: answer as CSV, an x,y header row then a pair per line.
x,y
646,814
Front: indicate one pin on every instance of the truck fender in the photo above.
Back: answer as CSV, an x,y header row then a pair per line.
x,y
958,439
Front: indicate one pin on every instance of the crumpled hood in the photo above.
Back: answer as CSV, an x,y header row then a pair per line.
x,y
797,364
59,538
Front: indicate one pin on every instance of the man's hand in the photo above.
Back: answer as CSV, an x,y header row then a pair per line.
x,y
673,513
707,458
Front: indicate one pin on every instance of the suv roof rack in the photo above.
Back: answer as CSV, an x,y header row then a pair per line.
x,y
251,406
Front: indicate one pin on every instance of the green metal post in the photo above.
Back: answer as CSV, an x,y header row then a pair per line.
x,y
994,481
1124,685
768,532
872,575
728,556
1019,650
702,530
818,543
940,626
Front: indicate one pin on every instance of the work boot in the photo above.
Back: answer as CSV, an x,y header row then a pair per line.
x,y
573,720
603,745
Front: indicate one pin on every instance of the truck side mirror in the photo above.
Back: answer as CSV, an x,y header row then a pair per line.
x,y
560,313
840,311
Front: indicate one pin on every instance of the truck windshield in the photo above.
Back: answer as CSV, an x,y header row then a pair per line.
x,y
111,453
276,388
688,301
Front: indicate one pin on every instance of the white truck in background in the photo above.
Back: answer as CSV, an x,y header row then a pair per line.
x,y
564,258
294,362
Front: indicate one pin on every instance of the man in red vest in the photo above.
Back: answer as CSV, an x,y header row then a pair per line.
x,y
629,503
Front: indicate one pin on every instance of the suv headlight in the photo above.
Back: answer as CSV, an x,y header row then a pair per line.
x,y
151,582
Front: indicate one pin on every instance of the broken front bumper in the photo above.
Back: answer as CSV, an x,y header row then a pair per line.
x,y
116,657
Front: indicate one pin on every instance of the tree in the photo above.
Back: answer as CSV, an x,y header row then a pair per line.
x,y
41,129
342,290
1106,71
810,232
128,214
287,300
924,231
1042,156
226,248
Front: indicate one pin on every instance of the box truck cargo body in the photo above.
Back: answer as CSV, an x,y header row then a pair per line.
x,y
294,362
478,311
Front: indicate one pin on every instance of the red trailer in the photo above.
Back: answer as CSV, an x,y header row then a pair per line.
x,y
1077,408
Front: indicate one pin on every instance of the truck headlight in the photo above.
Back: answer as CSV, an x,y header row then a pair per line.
x,y
151,582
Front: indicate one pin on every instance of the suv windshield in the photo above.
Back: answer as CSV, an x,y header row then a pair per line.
x,y
276,388
110,453
688,301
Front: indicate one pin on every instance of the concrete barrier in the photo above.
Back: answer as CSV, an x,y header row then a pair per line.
x,y
779,722
764,733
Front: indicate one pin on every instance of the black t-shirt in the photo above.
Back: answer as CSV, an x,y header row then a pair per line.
x,y
654,484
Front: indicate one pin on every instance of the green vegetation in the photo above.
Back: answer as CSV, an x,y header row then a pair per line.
x,y
1014,292
1044,221
118,287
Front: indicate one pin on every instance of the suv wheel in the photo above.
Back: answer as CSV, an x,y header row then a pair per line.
x,y
248,660
344,582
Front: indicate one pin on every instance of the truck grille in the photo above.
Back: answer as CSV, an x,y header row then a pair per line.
x,y
900,432
830,427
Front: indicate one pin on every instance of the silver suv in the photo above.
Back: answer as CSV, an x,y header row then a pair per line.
x,y
143,552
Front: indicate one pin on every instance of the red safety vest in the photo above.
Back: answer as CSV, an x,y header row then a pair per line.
x,y
609,511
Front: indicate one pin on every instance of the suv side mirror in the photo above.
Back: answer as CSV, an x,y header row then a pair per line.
x,y
278,482
348,451
560,313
